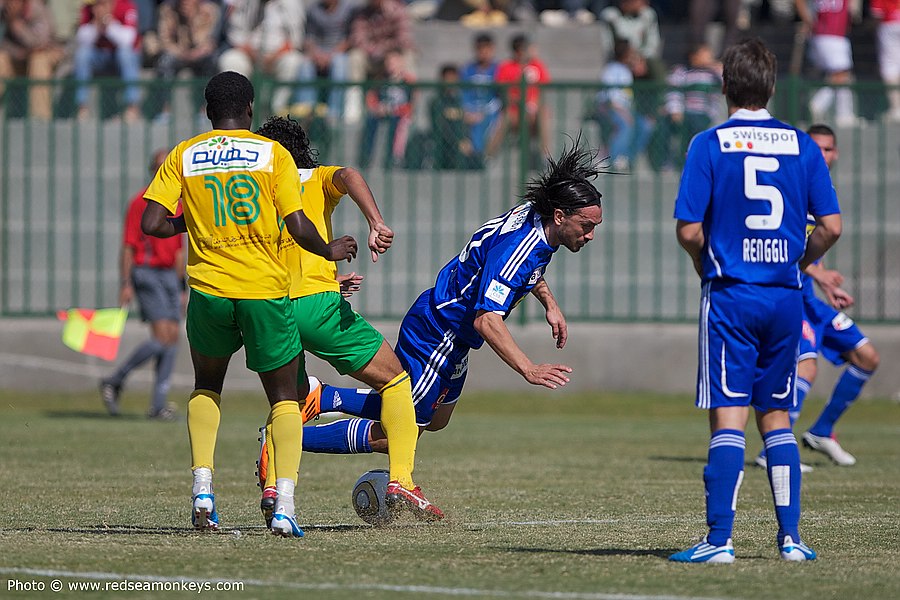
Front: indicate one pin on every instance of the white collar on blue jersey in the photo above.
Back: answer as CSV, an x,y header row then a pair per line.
x,y
539,225
745,114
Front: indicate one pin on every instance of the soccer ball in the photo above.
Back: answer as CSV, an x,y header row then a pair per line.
x,y
369,497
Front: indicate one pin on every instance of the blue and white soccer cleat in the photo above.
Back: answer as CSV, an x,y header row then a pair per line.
x,y
285,525
796,551
203,514
706,553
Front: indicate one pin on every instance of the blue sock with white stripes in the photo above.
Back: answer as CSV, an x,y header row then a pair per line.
x,y
784,477
803,387
359,402
846,391
347,436
723,475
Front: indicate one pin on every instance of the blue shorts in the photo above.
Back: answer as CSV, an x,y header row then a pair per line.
x,y
436,362
158,293
828,331
749,335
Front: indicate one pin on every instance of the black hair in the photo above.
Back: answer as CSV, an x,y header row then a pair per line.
x,y
290,134
821,129
748,71
484,38
621,49
228,95
564,184
449,68
519,43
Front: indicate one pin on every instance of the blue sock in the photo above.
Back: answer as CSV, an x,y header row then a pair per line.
x,y
359,402
723,475
784,477
846,391
803,387
347,436
139,356
164,367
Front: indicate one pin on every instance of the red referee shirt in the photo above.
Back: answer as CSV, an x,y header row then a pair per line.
x,y
148,251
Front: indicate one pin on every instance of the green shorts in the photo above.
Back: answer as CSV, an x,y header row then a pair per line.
x,y
331,330
218,327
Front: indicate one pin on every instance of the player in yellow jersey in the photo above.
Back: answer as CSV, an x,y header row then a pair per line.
x,y
238,190
331,330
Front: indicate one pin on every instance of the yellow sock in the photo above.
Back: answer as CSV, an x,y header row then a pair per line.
x,y
398,418
287,439
203,427
270,469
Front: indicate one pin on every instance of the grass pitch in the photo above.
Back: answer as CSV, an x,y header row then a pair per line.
x,y
547,496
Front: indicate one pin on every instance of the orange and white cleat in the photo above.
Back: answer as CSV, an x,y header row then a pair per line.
x,y
398,496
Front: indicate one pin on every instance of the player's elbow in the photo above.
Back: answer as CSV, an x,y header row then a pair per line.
x,y
831,226
690,235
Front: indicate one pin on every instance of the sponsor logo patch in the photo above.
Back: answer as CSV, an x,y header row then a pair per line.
x,y
758,140
497,292
840,322
460,369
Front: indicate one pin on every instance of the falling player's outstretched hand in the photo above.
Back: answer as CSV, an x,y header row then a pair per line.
x,y
343,248
549,376
558,325
380,239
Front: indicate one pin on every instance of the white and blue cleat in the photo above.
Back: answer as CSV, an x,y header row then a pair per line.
x,y
796,551
203,514
285,525
705,552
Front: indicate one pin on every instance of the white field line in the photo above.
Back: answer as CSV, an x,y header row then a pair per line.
x,y
357,587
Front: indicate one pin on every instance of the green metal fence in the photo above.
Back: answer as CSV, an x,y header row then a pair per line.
x,y
65,183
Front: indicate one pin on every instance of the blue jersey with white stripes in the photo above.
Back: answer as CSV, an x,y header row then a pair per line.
x,y
751,181
501,263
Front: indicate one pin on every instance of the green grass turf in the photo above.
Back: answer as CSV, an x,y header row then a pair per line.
x,y
547,496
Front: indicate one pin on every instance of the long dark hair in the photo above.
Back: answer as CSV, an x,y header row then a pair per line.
x,y
564,184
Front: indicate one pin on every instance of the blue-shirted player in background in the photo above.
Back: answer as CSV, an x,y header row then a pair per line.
x,y
829,331
746,189
474,293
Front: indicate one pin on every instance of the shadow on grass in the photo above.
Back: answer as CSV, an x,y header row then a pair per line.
x,y
657,552
681,459
178,531
95,415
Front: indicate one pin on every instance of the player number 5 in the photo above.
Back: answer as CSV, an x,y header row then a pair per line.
x,y
753,190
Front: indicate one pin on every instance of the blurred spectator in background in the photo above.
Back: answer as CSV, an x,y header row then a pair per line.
x,y
555,13
692,105
452,147
523,64
482,105
828,24
268,35
65,15
189,38
325,55
107,43
888,14
483,13
379,27
629,130
28,48
636,22
390,102
701,12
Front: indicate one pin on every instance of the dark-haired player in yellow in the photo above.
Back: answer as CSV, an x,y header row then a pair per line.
x,y
237,188
330,328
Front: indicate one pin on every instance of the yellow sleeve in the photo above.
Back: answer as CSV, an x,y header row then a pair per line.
x,y
166,186
332,194
287,183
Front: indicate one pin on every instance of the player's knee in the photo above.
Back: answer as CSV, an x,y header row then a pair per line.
x,y
436,425
808,370
867,358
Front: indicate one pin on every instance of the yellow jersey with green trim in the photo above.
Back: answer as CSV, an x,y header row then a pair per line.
x,y
236,187
310,273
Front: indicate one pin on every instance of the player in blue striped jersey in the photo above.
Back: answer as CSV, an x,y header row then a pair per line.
x,y
474,293
746,189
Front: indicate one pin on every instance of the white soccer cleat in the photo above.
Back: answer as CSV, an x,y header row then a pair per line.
x,y
796,551
830,448
761,462
706,553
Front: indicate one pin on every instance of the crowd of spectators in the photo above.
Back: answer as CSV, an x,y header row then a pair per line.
x,y
301,45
